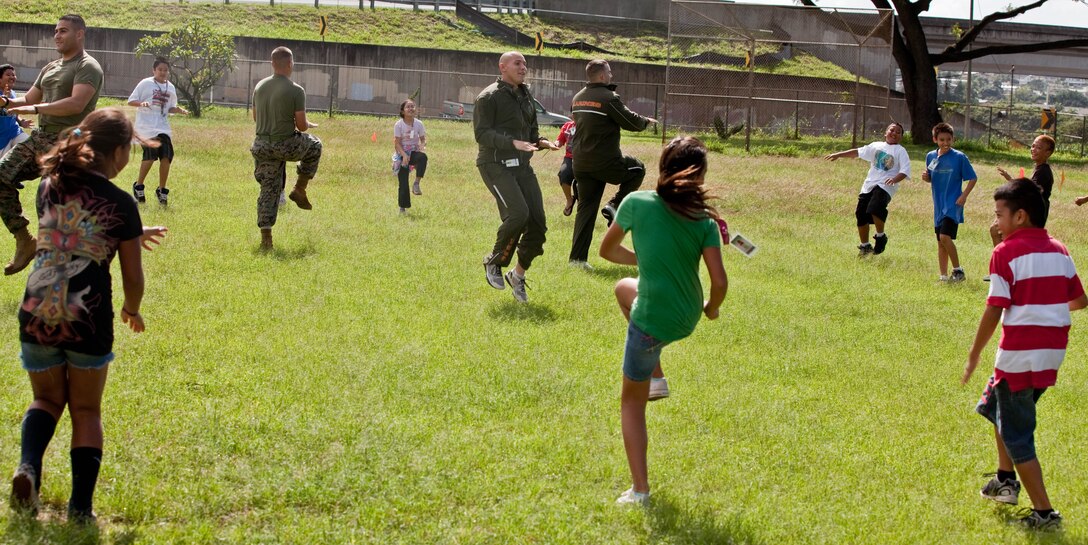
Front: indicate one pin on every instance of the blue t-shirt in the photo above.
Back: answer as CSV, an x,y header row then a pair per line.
x,y
9,126
946,176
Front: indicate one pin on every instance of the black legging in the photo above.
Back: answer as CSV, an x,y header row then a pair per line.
x,y
418,159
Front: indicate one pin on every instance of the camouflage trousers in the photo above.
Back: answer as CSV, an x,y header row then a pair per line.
x,y
270,170
19,165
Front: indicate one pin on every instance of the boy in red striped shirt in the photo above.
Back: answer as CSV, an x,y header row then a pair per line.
x,y
1033,287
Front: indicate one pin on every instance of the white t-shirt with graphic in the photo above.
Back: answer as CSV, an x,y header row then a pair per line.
x,y
885,161
409,136
153,121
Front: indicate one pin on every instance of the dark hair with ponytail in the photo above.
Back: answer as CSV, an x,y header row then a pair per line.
x,y
82,149
680,184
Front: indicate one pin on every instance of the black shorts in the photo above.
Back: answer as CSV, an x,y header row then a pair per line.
x,y
873,203
566,171
165,151
948,227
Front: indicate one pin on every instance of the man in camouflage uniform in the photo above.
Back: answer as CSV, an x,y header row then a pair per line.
x,y
64,93
279,108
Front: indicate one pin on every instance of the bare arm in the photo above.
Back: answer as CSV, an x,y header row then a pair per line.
x,y
1079,303
719,281
132,280
612,247
81,96
1004,174
991,317
963,198
179,110
848,153
301,123
33,96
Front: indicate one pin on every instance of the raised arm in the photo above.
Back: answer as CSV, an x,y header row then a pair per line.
x,y
612,247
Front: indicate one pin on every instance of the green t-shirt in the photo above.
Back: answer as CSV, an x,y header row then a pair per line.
x,y
668,247
56,81
275,101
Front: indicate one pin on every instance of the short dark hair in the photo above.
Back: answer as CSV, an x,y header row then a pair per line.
x,y
5,67
897,124
595,68
1023,194
943,127
160,60
76,20
1044,137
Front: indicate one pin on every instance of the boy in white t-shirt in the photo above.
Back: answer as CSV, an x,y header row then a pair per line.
x,y
888,165
156,98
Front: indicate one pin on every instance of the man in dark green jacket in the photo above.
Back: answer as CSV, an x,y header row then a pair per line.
x,y
599,114
504,122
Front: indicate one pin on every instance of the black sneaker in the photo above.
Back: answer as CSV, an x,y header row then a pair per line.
x,y
957,276
161,193
881,243
82,517
138,192
865,250
1035,521
609,213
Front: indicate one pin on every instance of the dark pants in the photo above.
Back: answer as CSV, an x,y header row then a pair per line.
x,y
627,172
19,165
521,208
417,159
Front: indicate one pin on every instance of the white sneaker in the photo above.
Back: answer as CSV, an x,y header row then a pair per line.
x,y
283,198
579,264
630,497
659,388
518,286
943,278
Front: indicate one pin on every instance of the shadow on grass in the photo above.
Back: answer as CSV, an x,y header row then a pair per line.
x,y
26,529
614,273
280,253
522,312
670,523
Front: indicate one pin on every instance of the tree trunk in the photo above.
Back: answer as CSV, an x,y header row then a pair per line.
x,y
920,87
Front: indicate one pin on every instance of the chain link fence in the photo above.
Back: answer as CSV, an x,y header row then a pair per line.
x,y
722,58
1001,126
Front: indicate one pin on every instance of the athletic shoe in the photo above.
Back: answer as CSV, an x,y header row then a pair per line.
x,y
138,192
881,243
579,264
957,276
659,388
82,516
986,278
404,211
630,497
942,278
161,193
415,188
1007,491
609,213
24,489
283,198
494,276
518,285
1035,521
865,250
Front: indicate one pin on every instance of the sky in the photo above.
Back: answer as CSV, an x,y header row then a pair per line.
x,y
1055,12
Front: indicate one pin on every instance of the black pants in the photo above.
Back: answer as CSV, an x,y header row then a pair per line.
x,y
521,207
626,171
417,159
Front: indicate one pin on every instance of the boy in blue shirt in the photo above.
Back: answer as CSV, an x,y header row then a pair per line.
x,y
946,170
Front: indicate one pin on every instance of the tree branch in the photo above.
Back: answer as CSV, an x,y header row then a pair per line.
x,y
970,36
957,56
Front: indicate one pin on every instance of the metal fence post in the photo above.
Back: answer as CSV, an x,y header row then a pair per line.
x,y
1083,134
249,82
990,129
796,113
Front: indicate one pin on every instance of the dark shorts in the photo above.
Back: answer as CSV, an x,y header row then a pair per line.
x,y
165,151
874,203
566,171
948,226
1014,415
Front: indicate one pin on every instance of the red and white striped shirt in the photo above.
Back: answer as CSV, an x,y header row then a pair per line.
x,y
1033,279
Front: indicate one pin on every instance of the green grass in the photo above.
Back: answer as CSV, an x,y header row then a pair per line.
x,y
363,384
394,27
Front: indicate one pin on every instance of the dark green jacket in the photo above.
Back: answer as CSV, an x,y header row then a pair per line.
x,y
504,113
599,114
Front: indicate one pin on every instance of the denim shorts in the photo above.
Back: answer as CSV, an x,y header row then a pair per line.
x,y
37,358
1014,415
641,354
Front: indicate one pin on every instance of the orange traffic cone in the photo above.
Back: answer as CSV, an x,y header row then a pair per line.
x,y
374,136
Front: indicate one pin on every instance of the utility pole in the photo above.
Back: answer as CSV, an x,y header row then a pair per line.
x,y
967,100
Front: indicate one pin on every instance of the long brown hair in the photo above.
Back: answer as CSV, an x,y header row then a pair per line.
x,y
680,183
82,149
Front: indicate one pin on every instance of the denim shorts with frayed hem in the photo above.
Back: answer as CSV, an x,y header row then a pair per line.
x,y
1014,415
641,354
37,358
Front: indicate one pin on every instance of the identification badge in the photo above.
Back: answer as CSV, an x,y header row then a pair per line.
x,y
744,245
511,163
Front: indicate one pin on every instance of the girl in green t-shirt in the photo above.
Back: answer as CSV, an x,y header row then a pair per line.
x,y
671,228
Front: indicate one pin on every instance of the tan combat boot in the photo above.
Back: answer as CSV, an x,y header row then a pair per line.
x,y
266,240
25,248
298,195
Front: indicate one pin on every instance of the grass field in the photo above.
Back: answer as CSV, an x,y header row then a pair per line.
x,y
363,384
